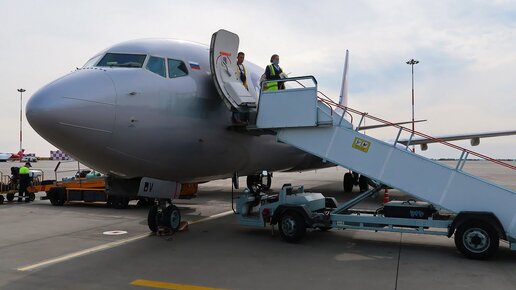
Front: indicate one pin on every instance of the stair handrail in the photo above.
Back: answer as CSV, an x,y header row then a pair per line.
x,y
329,101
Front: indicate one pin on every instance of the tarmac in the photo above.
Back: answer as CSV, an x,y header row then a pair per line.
x,y
90,246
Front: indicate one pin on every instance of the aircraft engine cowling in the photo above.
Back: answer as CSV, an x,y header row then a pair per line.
x,y
475,141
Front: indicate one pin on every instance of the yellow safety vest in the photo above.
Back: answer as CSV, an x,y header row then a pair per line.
x,y
24,170
271,86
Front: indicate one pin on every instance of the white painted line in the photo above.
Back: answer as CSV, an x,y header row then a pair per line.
x,y
81,253
105,246
215,216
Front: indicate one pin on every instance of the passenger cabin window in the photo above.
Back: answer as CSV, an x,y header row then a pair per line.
x,y
122,60
176,68
157,66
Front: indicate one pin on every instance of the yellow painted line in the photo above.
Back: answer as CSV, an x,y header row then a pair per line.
x,y
167,285
105,247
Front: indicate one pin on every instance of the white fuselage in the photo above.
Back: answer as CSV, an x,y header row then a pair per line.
x,y
131,122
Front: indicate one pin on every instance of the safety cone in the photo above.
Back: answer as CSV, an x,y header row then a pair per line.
x,y
386,196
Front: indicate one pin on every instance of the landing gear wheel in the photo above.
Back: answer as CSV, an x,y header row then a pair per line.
x,y
119,202
256,183
171,218
153,218
363,183
10,196
477,240
145,201
292,227
1,199
32,196
57,196
348,182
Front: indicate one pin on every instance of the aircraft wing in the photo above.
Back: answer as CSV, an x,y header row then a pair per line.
x,y
5,156
474,137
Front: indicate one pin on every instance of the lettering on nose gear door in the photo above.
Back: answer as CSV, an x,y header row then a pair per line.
x,y
157,188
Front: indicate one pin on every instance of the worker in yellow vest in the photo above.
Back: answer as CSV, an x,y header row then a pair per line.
x,y
24,179
274,72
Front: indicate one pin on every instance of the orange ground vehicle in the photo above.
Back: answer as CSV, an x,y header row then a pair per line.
x,y
84,186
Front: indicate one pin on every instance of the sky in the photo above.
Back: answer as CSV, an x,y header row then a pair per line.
x,y
465,81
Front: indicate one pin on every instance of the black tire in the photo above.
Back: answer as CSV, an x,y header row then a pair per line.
x,y
254,183
57,196
153,219
292,227
145,201
171,217
32,196
10,197
348,182
1,199
363,183
477,240
118,201
269,182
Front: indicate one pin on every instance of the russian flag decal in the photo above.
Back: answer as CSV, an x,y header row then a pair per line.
x,y
194,65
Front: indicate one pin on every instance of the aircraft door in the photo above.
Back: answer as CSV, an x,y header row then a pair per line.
x,y
224,71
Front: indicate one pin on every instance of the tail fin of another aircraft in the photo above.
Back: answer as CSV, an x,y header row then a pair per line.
x,y
343,98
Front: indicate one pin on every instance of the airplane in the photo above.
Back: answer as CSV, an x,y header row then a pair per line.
x,y
172,97
11,156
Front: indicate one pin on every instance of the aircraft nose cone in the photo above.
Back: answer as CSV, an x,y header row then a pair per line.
x,y
74,109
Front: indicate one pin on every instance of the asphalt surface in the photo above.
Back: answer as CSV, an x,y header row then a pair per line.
x,y
48,247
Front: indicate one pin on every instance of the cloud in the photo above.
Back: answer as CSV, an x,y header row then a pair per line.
x,y
464,82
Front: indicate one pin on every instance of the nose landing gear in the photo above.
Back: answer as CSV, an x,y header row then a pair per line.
x,y
164,215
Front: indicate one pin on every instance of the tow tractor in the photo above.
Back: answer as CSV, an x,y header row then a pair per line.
x,y
294,211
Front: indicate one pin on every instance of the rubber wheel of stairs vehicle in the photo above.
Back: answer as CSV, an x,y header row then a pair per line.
x,y
32,196
172,217
348,182
10,197
363,183
152,219
292,227
1,199
477,240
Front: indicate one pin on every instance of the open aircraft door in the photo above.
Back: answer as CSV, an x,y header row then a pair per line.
x,y
225,73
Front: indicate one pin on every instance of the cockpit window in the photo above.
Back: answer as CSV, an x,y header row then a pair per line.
x,y
176,68
122,60
157,66
92,61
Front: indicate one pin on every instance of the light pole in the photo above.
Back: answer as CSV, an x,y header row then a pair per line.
x,y
412,62
21,98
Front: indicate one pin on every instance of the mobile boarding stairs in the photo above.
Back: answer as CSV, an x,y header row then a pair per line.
x,y
320,127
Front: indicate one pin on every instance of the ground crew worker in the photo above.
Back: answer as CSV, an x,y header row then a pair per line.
x,y
274,72
242,73
24,182
241,118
